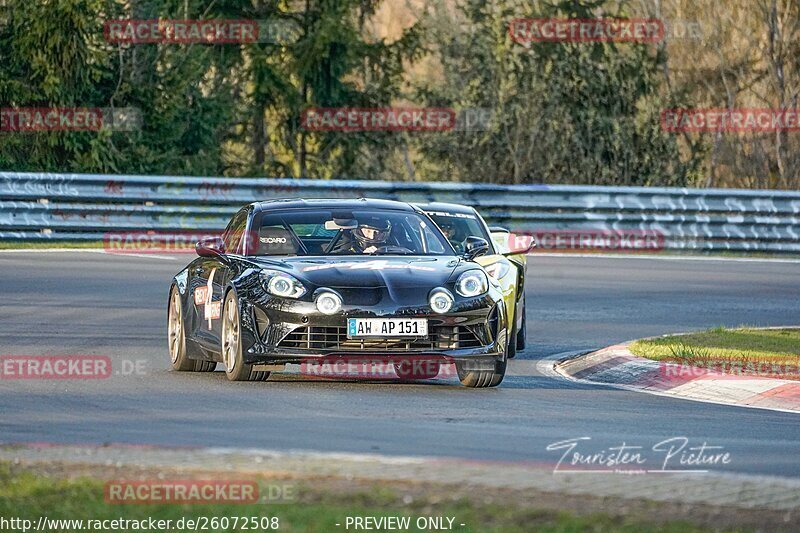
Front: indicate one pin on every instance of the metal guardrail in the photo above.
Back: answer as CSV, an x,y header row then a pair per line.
x,y
86,207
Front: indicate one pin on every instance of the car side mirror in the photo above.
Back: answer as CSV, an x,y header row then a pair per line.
x,y
498,229
210,247
501,241
516,244
475,247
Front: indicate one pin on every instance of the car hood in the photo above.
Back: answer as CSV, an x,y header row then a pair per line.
x,y
395,272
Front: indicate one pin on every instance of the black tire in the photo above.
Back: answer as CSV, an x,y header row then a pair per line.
x,y
429,370
518,335
482,378
204,366
478,379
512,346
520,340
231,344
176,334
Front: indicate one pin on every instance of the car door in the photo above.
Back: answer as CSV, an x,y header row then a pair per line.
x,y
211,277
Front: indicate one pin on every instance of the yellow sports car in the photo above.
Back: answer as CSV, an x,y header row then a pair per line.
x,y
505,262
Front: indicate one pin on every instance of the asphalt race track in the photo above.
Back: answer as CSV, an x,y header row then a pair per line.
x,y
98,304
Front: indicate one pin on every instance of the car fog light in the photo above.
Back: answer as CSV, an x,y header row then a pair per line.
x,y
329,303
441,301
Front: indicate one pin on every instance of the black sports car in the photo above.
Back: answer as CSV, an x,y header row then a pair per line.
x,y
293,281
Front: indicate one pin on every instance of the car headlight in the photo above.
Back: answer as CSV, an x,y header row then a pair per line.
x,y
328,302
497,270
281,284
441,300
472,283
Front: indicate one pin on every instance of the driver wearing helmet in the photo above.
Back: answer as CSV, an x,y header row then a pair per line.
x,y
367,238
453,234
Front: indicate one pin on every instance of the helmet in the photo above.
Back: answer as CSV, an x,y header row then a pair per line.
x,y
374,231
449,228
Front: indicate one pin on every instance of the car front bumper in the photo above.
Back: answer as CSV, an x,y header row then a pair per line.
x,y
281,331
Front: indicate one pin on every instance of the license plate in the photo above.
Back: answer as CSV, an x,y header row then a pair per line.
x,y
386,327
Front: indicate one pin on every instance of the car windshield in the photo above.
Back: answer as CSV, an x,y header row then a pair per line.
x,y
458,226
348,232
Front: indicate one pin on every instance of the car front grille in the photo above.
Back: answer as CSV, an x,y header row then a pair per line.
x,y
334,338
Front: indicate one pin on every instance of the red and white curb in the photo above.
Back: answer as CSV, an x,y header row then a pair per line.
x,y
618,367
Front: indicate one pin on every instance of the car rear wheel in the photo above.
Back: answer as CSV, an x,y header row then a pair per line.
x,y
176,335
235,367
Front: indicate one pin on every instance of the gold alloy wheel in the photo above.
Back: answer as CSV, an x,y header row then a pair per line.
x,y
230,335
175,327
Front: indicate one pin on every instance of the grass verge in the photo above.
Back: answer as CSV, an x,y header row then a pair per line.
x,y
29,495
771,352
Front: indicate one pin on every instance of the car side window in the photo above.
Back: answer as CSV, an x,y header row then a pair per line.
x,y
431,242
234,233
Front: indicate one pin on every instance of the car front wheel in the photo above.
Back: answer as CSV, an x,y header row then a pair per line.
x,y
482,378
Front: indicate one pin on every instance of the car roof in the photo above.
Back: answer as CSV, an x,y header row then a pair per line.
x,y
334,203
446,207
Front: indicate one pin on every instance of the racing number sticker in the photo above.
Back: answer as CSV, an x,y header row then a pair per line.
x,y
212,308
204,296
200,295
212,311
